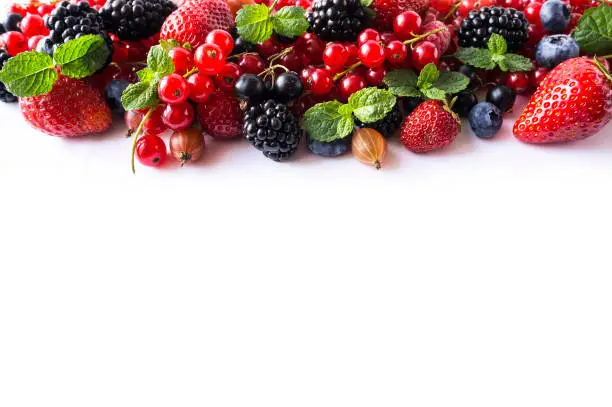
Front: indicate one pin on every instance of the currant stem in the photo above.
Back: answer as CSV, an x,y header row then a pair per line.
x,y
606,57
136,134
348,70
420,37
280,54
241,54
273,5
188,74
452,11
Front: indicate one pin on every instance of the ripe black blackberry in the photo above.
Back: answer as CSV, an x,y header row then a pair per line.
x,y
387,126
477,27
133,20
5,95
337,20
272,129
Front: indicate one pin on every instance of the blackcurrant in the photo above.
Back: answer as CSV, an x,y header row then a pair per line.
x,y
501,96
288,86
470,72
464,103
250,87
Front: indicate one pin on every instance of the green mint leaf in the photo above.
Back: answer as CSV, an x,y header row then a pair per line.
x,y
497,45
366,3
254,23
187,46
82,57
371,104
328,121
402,82
290,21
29,74
434,93
345,110
515,63
159,61
477,57
167,45
594,31
451,82
429,74
369,12
146,75
140,95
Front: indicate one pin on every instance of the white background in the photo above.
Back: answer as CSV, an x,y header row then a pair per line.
x,y
475,276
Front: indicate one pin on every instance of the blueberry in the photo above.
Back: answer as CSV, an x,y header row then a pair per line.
x,y
288,86
554,49
250,87
328,149
485,119
2,29
113,93
464,103
411,103
11,23
501,96
45,45
555,16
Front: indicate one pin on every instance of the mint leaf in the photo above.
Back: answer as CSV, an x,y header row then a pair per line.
x,y
497,45
167,45
29,74
451,82
402,82
140,95
159,61
369,12
82,57
515,63
477,57
328,121
290,21
594,31
434,93
371,104
146,75
345,110
254,23
429,74
366,3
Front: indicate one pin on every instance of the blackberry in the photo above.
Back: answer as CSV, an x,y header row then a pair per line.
x,y
5,95
477,27
272,129
133,20
337,20
388,125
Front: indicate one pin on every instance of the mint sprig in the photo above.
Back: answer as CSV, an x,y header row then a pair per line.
x,y
34,73
430,84
594,31
256,23
331,121
496,54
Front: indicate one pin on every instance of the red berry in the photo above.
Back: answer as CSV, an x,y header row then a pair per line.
x,y
173,89
18,8
368,34
120,55
425,53
226,79
305,4
406,25
466,6
518,81
536,32
353,53
133,118
182,58
251,63
442,6
335,55
32,25
33,41
269,47
200,87
313,50
372,54
319,82
155,124
15,42
387,37
575,17
222,39
350,84
517,4
178,117
44,9
375,76
537,76
292,61
306,72
151,151
209,59
396,52
532,13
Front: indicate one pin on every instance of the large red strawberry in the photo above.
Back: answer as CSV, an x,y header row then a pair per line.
x,y
192,21
386,10
430,126
221,116
573,102
72,108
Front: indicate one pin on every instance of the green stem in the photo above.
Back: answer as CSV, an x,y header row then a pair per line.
x,y
241,54
273,5
348,70
420,37
188,74
606,56
280,54
136,134
452,11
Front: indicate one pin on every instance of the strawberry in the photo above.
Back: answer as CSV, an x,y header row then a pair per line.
x,y
386,10
72,108
192,21
574,101
221,116
430,126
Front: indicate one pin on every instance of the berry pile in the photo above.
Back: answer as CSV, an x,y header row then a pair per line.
x,y
477,27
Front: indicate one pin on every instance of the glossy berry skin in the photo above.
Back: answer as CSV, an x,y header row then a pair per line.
x,y
574,101
372,54
221,116
288,86
375,76
11,22
222,39
335,55
536,33
113,92
471,74
485,119
151,151
555,16
33,42
182,59
226,79
429,127
425,53
442,6
466,100
501,96
406,25
32,25
387,10
532,13
554,49
396,52
368,34
334,148
350,84
15,42
178,117
200,87
251,64
155,124
209,59
518,82
250,87
319,82
537,76
173,89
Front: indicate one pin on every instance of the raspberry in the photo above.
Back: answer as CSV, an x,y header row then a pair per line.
x,y
440,39
221,116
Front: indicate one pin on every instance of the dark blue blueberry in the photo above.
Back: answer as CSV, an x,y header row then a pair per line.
x,y
113,93
485,119
555,16
45,45
328,149
554,49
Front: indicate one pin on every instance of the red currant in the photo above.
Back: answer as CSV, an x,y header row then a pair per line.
x,y
33,41
15,42
368,34
372,54
442,6
292,60
19,9
209,59
575,17
137,51
517,4
319,82
173,89
222,39
200,87
44,9
407,24
313,50
353,53
151,151
178,117
155,124
269,47
305,4
375,76
350,84
537,76
120,55
251,63
518,81
133,118
425,53
532,13
226,79
182,58
32,25
387,37
536,32
396,52
466,6
335,55
306,72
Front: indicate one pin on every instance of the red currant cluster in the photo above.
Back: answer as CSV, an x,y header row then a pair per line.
x,y
29,30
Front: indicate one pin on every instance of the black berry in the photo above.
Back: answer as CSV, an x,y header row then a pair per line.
x,y
466,100
240,46
477,27
133,20
288,86
5,95
387,126
11,23
470,72
337,20
411,103
501,96
250,87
